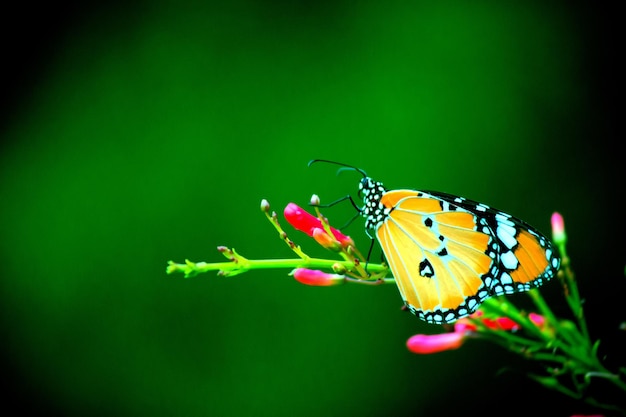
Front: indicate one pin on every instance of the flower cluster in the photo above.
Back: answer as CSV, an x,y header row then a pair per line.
x,y
464,328
333,239
326,236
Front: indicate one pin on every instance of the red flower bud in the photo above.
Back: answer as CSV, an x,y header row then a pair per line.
x,y
501,323
307,223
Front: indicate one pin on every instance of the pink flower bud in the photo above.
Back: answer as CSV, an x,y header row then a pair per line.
x,y
425,344
538,319
317,278
558,228
339,268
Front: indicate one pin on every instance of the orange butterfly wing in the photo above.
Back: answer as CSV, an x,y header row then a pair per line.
x,y
448,254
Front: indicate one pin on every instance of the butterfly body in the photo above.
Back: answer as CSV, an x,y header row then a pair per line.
x,y
448,254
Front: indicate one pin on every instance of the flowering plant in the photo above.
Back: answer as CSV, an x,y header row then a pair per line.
x,y
567,355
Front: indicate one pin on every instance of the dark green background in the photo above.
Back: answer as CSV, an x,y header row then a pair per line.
x,y
133,135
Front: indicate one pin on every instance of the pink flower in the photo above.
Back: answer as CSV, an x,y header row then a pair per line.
x,y
433,343
317,278
312,226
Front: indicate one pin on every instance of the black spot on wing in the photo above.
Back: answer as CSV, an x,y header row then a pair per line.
x,y
426,268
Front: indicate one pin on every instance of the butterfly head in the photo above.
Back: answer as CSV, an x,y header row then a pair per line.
x,y
373,210
370,191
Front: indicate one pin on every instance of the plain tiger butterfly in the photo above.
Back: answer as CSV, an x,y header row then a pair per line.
x,y
448,254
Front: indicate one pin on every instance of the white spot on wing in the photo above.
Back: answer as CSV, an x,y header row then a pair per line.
x,y
504,218
506,235
506,279
509,260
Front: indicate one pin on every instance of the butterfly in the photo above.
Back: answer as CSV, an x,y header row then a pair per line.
x,y
447,253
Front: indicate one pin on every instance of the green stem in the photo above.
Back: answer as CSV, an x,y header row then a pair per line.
x,y
568,280
593,402
240,264
571,336
506,308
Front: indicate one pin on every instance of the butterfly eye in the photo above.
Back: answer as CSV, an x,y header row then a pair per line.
x,y
362,186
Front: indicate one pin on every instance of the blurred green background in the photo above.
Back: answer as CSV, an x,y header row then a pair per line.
x,y
133,135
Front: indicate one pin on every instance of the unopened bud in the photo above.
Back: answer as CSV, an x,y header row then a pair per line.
x,y
339,268
317,278
558,228
325,240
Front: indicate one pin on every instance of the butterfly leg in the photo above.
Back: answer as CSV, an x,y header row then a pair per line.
x,y
369,253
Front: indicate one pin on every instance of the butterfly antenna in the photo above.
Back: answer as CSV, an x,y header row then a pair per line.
x,y
344,166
